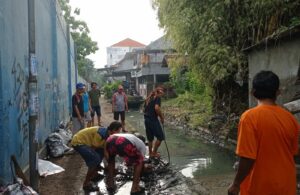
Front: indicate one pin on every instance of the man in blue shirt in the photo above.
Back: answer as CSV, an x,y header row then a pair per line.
x,y
87,107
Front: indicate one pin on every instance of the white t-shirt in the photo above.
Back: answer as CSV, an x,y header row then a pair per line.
x,y
139,144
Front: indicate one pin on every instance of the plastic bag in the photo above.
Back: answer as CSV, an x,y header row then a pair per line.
x,y
48,168
65,134
55,145
19,188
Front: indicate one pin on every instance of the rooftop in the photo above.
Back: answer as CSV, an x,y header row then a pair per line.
x,y
128,43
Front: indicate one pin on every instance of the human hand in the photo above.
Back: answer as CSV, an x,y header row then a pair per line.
x,y
110,187
233,189
162,120
106,155
81,120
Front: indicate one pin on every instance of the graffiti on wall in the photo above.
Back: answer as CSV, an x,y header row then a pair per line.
x,y
19,100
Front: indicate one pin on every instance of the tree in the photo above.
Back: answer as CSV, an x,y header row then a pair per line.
x,y
214,33
80,34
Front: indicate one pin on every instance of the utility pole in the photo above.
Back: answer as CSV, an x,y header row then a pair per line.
x,y
33,98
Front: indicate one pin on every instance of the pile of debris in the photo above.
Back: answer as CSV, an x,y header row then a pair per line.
x,y
57,141
164,179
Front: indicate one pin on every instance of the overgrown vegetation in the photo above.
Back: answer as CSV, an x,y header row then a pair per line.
x,y
195,109
110,88
210,35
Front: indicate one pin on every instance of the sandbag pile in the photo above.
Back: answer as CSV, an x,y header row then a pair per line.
x,y
57,142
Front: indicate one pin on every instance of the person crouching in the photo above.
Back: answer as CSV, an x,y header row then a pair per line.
x,y
90,144
133,150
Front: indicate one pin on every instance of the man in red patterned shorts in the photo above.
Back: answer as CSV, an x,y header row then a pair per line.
x,y
133,150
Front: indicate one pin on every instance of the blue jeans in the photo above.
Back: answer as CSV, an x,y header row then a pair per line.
x,y
92,157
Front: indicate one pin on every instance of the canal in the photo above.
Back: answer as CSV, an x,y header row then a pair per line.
x,y
205,163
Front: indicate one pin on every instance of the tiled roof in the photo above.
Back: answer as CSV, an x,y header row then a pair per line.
x,y
128,43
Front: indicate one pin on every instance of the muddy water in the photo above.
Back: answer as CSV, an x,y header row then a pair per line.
x,y
205,163
208,168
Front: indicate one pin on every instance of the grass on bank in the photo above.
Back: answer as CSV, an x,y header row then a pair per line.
x,y
195,109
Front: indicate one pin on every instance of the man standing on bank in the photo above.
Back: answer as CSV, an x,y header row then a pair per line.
x,y
267,143
95,95
77,109
120,105
152,111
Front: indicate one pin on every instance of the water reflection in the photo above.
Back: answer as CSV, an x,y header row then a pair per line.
x,y
192,156
195,165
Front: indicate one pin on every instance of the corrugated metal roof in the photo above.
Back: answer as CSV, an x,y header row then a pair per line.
x,y
273,39
160,44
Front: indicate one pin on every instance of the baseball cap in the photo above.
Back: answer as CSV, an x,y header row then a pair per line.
x,y
80,86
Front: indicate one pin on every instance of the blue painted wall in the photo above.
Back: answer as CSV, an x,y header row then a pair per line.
x,y
56,77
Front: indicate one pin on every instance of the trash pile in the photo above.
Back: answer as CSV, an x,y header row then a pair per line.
x,y
164,179
17,188
57,141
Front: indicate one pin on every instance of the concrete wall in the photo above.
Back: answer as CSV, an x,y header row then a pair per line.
x,y
283,58
56,77
115,54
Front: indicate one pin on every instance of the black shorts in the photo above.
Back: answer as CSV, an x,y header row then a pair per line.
x,y
96,109
153,129
117,114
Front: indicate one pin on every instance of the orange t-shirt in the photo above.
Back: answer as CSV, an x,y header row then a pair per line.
x,y
269,134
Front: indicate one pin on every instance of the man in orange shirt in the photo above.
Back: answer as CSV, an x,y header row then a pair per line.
x,y
267,143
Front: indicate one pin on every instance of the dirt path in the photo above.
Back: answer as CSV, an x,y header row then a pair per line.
x,y
70,181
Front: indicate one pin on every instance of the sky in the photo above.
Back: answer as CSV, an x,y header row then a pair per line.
x,y
111,21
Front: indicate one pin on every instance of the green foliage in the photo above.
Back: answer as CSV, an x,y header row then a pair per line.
x,y
83,42
214,33
197,109
110,88
88,71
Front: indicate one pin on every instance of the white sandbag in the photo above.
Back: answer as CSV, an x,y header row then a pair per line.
x,y
65,134
56,146
48,168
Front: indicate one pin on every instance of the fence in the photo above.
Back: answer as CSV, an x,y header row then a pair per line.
x,y
56,77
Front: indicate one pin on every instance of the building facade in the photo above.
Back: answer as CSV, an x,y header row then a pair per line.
x,y
279,54
116,52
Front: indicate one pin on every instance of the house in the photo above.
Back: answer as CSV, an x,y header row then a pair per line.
x,y
279,53
143,69
151,69
122,71
117,51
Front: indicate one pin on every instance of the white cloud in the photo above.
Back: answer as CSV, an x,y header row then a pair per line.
x,y
111,21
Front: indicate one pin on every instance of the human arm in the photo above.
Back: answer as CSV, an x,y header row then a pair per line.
x,y
245,166
90,105
158,111
110,176
106,155
113,103
126,102
75,105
